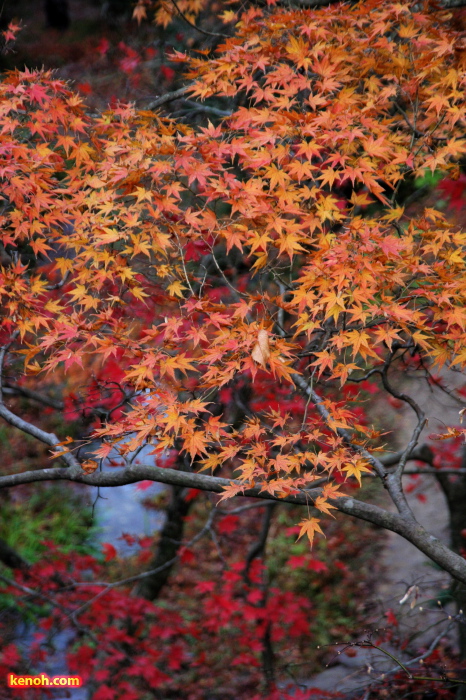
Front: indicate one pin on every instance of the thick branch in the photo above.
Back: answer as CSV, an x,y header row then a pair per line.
x,y
410,530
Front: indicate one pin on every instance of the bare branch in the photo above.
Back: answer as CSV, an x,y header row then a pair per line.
x,y
42,435
15,390
417,660
208,109
421,421
29,428
169,97
415,131
198,29
3,351
419,454
258,547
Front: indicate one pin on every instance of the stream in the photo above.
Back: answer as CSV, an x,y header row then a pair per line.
x,y
120,510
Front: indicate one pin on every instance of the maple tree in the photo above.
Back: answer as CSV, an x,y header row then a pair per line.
x,y
234,294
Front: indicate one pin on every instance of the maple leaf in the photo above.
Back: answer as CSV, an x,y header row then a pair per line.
x,y
232,490
360,199
322,504
261,350
104,450
331,491
309,528
139,12
449,433
109,551
89,466
37,93
195,443
356,468
176,289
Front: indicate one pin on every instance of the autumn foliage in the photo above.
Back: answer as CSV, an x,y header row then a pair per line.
x,y
233,294
244,246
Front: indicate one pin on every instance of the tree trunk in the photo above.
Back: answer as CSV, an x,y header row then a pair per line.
x,y
455,493
10,557
169,544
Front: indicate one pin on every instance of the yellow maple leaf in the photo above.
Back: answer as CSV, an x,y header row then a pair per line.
x,y
356,468
323,505
394,214
309,528
176,289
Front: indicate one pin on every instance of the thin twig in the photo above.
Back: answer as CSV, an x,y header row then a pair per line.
x,y
325,414
169,97
418,659
198,29
421,419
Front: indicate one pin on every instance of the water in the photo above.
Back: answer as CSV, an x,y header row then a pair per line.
x,y
117,511
55,664
120,509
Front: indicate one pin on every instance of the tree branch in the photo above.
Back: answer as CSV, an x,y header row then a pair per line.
x,y
319,404
15,390
31,429
169,97
191,24
391,481
420,454
409,529
208,109
258,547
421,420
